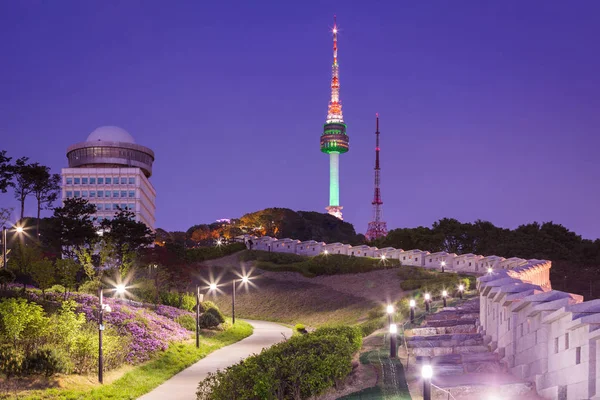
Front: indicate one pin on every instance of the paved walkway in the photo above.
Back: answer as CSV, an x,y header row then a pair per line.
x,y
183,386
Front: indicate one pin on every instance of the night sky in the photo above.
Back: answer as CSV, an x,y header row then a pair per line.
x,y
487,111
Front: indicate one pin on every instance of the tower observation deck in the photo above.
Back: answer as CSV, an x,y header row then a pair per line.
x,y
334,140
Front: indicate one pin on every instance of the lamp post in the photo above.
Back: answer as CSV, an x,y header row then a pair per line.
x,y
244,280
444,295
412,304
427,299
390,311
101,310
427,374
393,341
200,299
443,265
461,288
4,246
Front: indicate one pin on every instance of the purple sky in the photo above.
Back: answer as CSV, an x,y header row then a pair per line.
x,y
488,112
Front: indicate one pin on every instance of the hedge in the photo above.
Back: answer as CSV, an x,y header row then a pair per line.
x,y
299,368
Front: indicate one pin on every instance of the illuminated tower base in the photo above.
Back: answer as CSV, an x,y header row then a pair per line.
x,y
334,185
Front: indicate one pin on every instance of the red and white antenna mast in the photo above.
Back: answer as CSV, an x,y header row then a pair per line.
x,y
377,228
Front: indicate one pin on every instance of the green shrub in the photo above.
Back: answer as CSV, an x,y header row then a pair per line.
x,y
90,287
299,368
22,323
216,313
57,289
208,320
351,333
210,253
300,328
43,362
11,361
184,301
6,277
205,305
187,321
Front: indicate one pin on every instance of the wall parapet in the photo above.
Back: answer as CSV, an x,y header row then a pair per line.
x,y
547,337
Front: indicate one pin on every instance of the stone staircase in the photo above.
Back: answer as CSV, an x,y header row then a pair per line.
x,y
462,362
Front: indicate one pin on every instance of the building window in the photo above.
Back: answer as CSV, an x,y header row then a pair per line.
x,y
92,194
131,193
566,341
555,345
115,193
99,207
431,260
69,194
123,181
76,181
107,193
416,258
404,258
469,264
115,181
132,181
107,180
577,355
84,181
131,206
92,181
115,206
100,181
100,193
84,193
76,194
69,181
123,193
123,206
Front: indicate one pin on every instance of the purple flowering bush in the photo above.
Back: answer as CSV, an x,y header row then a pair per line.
x,y
150,331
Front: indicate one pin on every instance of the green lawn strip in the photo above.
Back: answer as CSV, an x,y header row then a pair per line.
x,y
148,376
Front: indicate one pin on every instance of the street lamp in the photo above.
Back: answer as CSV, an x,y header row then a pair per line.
x,y
393,341
325,252
412,304
427,299
101,310
443,265
244,280
427,374
444,295
199,299
461,288
390,311
490,270
19,230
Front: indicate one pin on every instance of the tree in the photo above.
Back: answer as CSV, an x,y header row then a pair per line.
x,y
67,270
6,277
22,259
43,273
123,237
5,215
73,226
46,187
24,176
6,171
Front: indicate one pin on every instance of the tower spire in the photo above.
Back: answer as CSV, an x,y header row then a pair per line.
x,y
377,228
334,140
334,113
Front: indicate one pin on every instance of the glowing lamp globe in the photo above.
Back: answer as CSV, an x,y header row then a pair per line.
x,y
427,296
393,329
19,229
427,372
461,287
245,279
390,309
490,270
443,263
212,286
444,293
120,288
412,303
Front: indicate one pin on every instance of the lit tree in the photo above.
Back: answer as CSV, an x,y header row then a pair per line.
x,y
73,226
6,172
23,258
43,273
24,176
67,270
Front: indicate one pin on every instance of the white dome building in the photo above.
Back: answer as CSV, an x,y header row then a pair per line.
x,y
112,172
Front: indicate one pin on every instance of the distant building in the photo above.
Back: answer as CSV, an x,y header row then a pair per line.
x,y
111,171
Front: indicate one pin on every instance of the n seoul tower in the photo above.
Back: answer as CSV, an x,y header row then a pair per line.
x,y
334,140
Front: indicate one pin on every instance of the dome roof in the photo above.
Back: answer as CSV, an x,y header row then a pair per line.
x,y
110,134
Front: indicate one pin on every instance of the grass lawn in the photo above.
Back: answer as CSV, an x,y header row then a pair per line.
x,y
142,379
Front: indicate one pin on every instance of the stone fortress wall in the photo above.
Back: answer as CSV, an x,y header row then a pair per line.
x,y
544,336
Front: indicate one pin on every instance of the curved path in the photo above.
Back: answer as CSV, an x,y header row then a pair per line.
x,y
183,386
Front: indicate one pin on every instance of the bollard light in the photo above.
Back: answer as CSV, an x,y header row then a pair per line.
x,y
390,311
412,304
393,340
427,299
490,270
461,288
444,295
325,252
427,374
443,265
